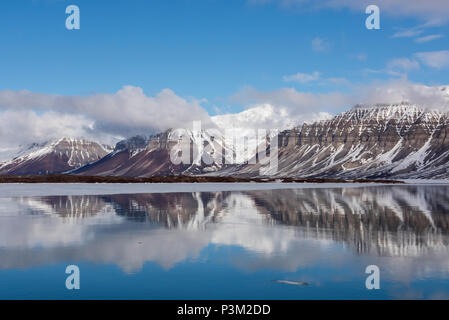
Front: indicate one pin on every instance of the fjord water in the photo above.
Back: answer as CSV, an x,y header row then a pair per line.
x,y
229,244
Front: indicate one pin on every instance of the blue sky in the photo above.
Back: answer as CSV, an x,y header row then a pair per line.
x,y
215,50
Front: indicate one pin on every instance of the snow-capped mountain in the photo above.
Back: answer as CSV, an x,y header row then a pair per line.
x,y
399,140
245,125
54,157
381,141
161,154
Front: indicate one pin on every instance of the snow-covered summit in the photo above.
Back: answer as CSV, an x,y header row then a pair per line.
x,y
54,156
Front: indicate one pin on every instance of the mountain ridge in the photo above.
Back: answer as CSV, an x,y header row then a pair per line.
x,y
394,141
383,141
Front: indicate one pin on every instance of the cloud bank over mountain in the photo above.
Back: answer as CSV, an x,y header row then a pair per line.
x,y
402,90
27,117
25,114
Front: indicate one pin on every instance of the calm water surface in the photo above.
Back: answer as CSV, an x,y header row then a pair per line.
x,y
229,245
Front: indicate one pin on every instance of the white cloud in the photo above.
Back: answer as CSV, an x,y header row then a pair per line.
x,y
408,33
418,30
435,59
291,105
319,45
25,126
428,38
267,116
33,117
281,108
127,112
399,90
435,11
431,10
396,67
402,64
303,77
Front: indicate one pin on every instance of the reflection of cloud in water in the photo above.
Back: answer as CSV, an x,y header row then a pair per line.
x,y
281,229
28,223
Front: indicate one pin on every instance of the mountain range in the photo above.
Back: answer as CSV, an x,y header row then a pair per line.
x,y
400,141
382,141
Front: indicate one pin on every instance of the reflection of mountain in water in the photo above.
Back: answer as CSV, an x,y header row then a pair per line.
x,y
69,206
389,220
172,210
398,220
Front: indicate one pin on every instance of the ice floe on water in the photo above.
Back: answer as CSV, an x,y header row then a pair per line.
x,y
66,189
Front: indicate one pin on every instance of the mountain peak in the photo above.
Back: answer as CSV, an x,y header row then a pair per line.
x,y
56,156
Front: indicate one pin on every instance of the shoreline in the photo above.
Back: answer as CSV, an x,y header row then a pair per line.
x,y
8,179
43,189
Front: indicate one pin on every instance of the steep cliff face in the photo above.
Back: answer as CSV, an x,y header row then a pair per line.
x,y
371,142
402,141
54,157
